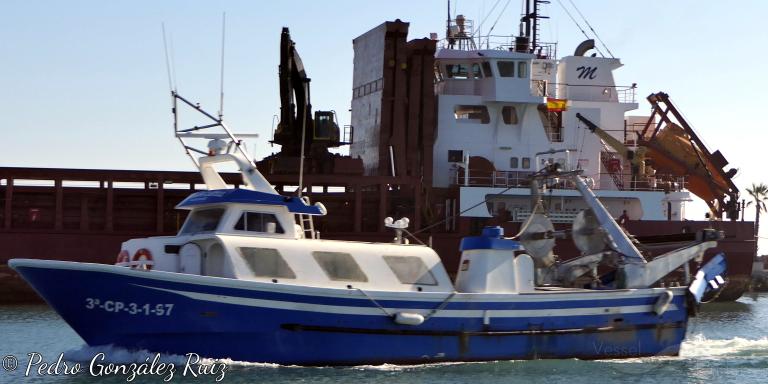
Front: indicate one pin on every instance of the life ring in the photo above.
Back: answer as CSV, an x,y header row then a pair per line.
x,y
142,259
123,258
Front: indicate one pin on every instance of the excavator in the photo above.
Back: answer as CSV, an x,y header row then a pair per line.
x,y
668,145
297,123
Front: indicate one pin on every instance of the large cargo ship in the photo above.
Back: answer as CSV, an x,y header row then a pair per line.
x,y
443,132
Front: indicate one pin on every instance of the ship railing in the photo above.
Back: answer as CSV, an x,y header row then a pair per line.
x,y
664,183
540,88
520,179
589,92
567,216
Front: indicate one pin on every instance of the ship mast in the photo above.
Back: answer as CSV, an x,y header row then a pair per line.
x,y
531,22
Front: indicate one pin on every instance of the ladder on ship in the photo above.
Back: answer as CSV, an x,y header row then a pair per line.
x,y
306,222
608,157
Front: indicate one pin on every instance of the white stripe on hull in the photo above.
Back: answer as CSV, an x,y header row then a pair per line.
x,y
373,311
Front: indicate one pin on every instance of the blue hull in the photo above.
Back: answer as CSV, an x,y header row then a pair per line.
x,y
251,321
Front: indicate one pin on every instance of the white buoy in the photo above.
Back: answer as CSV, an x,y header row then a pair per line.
x,y
408,318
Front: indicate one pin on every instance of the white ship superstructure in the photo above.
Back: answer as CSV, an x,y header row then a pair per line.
x,y
504,113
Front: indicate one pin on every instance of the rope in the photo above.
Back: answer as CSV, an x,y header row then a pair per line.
x,y
375,302
476,31
440,307
499,17
458,214
578,25
592,29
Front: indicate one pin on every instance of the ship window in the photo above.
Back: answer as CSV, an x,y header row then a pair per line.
x,y
506,68
476,71
339,266
526,162
266,262
472,113
455,155
259,222
513,163
522,69
410,270
487,72
202,220
509,114
457,71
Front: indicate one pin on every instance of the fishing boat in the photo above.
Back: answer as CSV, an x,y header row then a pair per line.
x,y
438,125
248,278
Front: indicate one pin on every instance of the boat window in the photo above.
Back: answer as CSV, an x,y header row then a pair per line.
x,y
513,162
506,68
472,113
266,262
410,270
202,220
456,71
259,222
487,72
476,71
339,266
522,69
509,114
526,162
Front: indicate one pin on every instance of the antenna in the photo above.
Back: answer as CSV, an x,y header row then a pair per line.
x,y
171,86
221,89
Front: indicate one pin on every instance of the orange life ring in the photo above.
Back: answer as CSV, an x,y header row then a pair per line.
x,y
122,257
147,255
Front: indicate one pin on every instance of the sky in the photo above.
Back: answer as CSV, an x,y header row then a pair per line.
x,y
83,84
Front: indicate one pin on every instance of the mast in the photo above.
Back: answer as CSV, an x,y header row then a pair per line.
x,y
531,22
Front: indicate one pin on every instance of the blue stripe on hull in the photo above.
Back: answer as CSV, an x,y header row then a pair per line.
x,y
289,336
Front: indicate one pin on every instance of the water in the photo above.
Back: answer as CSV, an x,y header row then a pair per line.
x,y
727,343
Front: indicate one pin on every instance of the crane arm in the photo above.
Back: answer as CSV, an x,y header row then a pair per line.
x,y
617,145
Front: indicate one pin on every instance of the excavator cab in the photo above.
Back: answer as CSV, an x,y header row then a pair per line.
x,y
326,128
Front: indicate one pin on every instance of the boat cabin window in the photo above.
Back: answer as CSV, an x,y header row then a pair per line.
x,y
509,114
202,220
339,266
266,262
259,222
526,162
457,71
410,270
476,71
506,68
472,114
513,162
522,69
487,72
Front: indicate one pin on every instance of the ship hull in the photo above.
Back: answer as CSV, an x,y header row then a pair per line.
x,y
261,322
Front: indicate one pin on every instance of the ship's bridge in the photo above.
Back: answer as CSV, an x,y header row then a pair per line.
x,y
495,75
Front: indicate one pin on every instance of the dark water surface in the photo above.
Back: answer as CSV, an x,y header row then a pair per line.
x,y
727,343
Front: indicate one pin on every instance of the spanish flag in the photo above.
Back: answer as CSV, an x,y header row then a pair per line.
x,y
556,105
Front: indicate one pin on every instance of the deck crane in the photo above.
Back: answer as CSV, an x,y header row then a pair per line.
x,y
636,157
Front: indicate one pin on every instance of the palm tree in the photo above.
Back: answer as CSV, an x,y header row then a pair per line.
x,y
759,195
